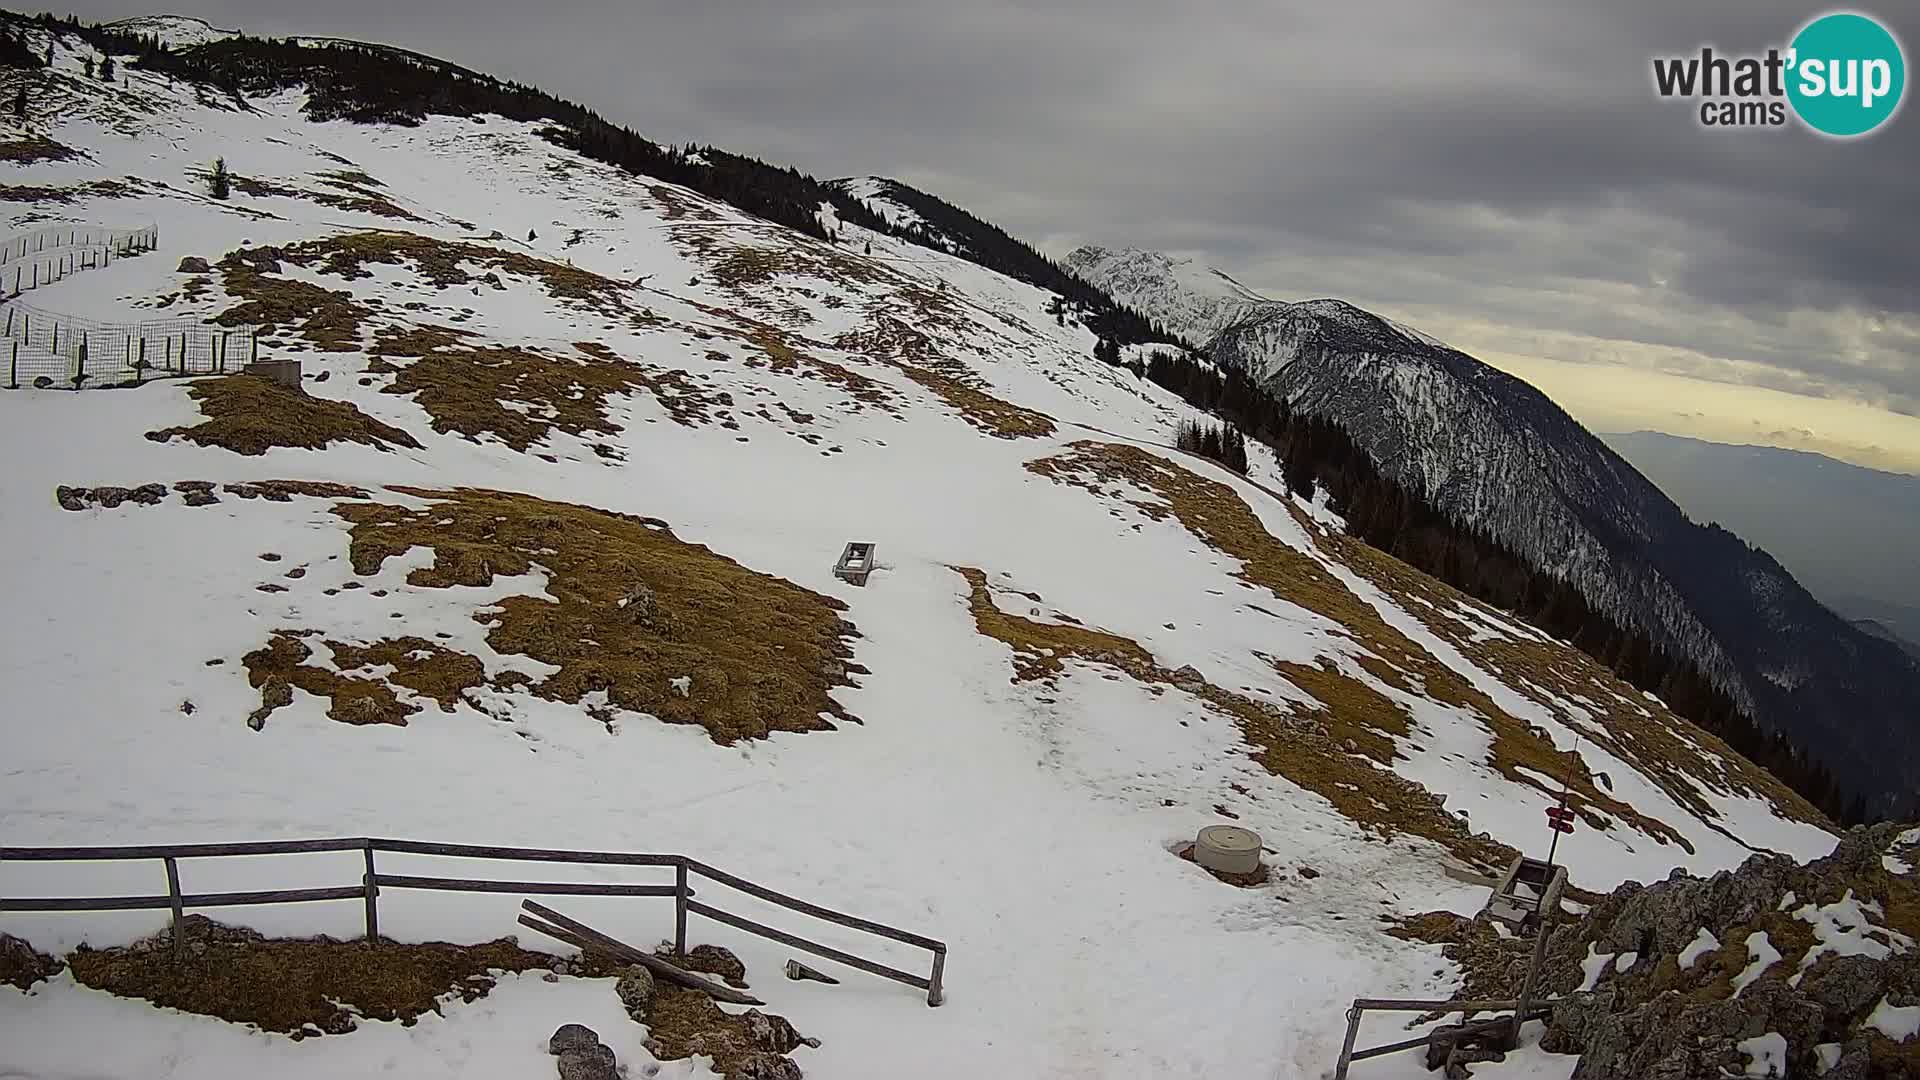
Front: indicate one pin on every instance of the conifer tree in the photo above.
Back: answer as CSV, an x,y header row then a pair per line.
x,y
220,184
106,68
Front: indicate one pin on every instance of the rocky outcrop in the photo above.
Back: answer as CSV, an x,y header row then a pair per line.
x,y
1807,970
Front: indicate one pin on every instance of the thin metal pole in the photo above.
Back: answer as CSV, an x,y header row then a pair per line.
x,y
179,912
372,882
934,994
13,369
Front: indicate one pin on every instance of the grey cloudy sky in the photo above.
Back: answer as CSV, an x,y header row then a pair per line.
x,y
1500,173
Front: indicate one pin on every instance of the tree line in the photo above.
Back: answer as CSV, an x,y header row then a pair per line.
x,y
1317,454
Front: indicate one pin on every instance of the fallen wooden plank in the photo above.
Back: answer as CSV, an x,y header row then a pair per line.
x,y
620,950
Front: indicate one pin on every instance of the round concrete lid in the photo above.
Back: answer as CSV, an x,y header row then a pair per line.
x,y
1229,838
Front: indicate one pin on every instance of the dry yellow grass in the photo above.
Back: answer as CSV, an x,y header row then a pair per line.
x,y
298,986
1375,798
250,415
329,319
469,389
1657,743
629,609
892,341
1213,513
358,199
31,148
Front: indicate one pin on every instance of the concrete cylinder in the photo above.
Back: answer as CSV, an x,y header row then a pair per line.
x,y
1227,849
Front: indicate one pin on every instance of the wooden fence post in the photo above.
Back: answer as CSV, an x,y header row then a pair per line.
x,y
13,369
373,892
680,908
179,912
934,994
253,337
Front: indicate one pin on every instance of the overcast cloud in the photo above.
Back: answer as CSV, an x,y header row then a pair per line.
x,y
1502,172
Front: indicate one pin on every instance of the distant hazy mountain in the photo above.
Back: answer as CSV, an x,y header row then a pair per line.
x,y
1851,535
1880,629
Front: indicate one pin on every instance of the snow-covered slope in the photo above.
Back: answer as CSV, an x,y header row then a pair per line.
x,y
1182,294
574,436
1490,451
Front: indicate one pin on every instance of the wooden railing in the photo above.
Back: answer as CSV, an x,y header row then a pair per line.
x,y
372,881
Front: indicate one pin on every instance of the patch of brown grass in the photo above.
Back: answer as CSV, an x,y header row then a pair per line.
x,y
357,200
895,342
1375,798
349,178
298,986
466,388
1432,927
281,665
763,654
249,415
34,193
444,263
427,669
21,965
1219,517
329,319
788,354
31,148
1660,745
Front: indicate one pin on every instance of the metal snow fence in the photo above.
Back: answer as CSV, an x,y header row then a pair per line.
x,y
43,349
26,247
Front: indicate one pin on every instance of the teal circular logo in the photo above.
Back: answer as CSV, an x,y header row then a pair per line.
x,y
1846,74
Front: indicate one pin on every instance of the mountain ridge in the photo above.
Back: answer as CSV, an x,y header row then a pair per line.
x,y
1460,433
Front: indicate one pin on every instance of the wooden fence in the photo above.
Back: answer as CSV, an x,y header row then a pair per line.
x,y
372,881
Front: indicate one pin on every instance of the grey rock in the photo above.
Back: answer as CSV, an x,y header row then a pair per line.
x,y
635,990
765,1066
111,497
200,498
592,1063
572,1037
774,1033
194,264
149,494
72,498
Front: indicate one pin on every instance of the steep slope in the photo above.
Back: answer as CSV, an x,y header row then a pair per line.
x,y
1497,456
542,554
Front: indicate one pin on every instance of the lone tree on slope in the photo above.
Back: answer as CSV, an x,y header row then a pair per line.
x,y
89,67
220,184
106,68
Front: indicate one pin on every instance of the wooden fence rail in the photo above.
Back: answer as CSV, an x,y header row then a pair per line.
x,y
372,881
